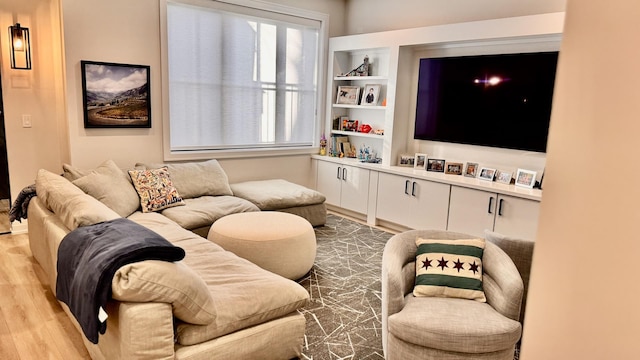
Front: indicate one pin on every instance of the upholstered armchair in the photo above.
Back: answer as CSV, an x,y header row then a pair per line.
x,y
448,328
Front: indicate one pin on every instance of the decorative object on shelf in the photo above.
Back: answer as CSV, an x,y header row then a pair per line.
x,y
349,125
471,170
526,178
406,160
367,155
323,145
379,131
503,177
370,95
19,47
365,128
348,95
420,161
362,69
487,173
435,165
115,95
454,168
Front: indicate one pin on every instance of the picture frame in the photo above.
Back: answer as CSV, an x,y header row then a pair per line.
x,y
471,169
406,160
486,174
370,95
503,177
420,161
348,95
526,178
453,168
116,95
435,165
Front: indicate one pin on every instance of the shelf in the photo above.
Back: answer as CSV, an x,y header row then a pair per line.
x,y
369,107
361,78
355,133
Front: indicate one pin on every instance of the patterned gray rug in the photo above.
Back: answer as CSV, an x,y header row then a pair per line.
x,y
343,316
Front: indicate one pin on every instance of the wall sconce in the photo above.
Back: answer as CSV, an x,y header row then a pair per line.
x,y
20,44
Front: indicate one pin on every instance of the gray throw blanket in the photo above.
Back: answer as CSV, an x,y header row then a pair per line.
x,y
21,204
89,256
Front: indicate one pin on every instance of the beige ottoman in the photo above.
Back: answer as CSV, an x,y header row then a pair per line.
x,y
280,242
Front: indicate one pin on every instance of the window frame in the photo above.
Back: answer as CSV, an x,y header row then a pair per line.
x,y
323,42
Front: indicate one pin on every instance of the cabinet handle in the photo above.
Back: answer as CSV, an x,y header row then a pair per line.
x,y
344,174
500,207
338,173
413,189
490,205
406,187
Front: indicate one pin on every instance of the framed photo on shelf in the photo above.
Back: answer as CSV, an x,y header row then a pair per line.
x,y
487,173
370,95
471,170
406,160
453,168
435,165
348,95
420,161
115,95
525,178
503,177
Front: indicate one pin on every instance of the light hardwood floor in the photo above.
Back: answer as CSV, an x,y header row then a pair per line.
x,y
32,323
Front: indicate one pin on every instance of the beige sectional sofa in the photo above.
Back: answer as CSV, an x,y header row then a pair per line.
x,y
210,305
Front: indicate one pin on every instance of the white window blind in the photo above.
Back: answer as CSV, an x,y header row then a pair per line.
x,y
240,78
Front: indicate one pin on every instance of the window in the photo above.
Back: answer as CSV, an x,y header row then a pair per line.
x,y
241,78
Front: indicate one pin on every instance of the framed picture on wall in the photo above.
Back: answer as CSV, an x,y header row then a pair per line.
x,y
115,95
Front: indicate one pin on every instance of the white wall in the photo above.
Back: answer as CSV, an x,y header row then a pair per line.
x,y
584,289
366,16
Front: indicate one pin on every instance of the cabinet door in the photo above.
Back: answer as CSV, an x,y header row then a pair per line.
x,y
330,181
355,189
430,205
517,217
471,211
394,198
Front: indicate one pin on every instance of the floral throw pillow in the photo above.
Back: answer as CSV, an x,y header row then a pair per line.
x,y
155,189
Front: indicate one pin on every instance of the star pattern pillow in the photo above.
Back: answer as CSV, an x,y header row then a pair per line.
x,y
449,268
155,189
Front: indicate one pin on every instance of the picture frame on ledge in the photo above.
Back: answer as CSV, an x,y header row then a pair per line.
x,y
435,165
370,95
453,168
348,95
420,161
406,160
471,170
503,177
486,174
116,95
525,178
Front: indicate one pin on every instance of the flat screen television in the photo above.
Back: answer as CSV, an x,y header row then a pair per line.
x,y
490,100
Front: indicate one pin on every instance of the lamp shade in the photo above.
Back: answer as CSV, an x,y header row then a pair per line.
x,y
20,47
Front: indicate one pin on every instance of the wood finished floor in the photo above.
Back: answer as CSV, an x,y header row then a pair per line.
x,y
32,323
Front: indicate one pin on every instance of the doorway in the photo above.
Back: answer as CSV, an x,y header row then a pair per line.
x,y
5,193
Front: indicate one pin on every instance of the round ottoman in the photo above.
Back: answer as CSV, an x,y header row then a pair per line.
x,y
280,242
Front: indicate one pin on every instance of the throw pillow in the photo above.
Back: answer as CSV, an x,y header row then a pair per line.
x,y
155,189
109,184
449,268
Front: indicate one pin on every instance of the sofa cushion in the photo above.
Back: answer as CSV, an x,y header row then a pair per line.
x,y
196,179
112,187
72,173
72,205
449,268
169,282
205,210
276,194
155,189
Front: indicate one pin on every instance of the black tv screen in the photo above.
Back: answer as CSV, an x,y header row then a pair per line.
x,y
491,100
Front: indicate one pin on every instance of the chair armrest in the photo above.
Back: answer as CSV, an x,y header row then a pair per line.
x,y
501,281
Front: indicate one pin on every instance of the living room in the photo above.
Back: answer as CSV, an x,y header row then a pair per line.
x,y
602,131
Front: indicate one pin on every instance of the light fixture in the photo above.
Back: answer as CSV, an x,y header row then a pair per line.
x,y
20,51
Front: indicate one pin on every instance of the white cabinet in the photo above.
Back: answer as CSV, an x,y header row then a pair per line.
x,y
344,186
472,211
415,203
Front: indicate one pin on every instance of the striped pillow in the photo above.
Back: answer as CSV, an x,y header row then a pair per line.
x,y
449,268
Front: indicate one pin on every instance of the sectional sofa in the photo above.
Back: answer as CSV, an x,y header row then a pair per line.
x,y
210,305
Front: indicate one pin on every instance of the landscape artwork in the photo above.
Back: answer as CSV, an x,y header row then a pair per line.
x,y
115,95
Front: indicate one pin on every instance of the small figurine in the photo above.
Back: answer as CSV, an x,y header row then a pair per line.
x,y
362,70
323,145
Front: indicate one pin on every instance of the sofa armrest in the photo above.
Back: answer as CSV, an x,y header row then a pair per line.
x,y
501,281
